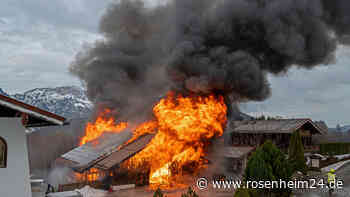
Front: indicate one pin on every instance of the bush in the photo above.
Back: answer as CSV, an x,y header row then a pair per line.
x,y
243,192
190,193
158,193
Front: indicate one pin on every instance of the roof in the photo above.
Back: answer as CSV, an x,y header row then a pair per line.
x,y
88,154
105,154
16,105
322,125
245,116
237,152
126,152
273,126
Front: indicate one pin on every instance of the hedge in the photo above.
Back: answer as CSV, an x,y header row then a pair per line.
x,y
335,148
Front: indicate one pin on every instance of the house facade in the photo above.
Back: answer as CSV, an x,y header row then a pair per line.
x,y
15,118
245,136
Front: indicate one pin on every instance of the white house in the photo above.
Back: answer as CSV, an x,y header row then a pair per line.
x,y
15,118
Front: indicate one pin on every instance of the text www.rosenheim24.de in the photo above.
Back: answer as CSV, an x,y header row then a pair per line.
x,y
203,183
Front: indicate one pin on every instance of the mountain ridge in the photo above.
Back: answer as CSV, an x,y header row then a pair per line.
x,y
2,92
67,101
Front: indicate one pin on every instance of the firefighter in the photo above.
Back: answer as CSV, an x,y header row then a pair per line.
x,y
331,181
107,182
50,189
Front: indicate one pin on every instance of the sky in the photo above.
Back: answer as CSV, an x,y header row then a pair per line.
x,y
39,39
322,93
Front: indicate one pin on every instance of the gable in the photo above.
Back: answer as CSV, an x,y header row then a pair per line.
x,y
275,126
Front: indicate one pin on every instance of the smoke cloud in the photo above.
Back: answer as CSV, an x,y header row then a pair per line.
x,y
204,46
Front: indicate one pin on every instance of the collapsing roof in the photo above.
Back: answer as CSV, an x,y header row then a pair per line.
x,y
123,154
88,154
31,116
105,152
275,126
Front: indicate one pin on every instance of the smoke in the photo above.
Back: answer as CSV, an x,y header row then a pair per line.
x,y
204,46
338,17
61,175
57,141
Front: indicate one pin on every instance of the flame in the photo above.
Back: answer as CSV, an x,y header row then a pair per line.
x,y
91,175
145,128
184,127
101,125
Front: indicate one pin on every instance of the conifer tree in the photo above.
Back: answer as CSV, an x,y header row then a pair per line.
x,y
244,192
190,193
296,153
268,163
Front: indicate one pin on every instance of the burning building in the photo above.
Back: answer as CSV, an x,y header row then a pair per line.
x,y
171,145
206,56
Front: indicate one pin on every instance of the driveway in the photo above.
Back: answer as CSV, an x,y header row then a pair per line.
x,y
342,174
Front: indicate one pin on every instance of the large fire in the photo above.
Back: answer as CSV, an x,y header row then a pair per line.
x,y
185,124
183,127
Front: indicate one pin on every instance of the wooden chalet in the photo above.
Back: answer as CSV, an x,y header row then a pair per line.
x,y
256,132
245,136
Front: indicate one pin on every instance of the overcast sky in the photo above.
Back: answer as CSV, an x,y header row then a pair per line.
x,y
39,38
322,93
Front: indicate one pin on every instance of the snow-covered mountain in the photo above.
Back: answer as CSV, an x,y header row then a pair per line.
x,y
344,128
69,102
2,92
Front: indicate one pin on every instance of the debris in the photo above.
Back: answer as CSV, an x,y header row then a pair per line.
x,y
65,194
88,191
123,187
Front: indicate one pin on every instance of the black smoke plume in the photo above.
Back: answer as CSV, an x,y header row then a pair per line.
x,y
206,46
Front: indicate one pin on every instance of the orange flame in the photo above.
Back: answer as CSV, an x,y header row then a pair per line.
x,y
185,124
145,128
101,125
91,175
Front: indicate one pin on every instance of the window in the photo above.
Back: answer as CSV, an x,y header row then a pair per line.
x,y
3,153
